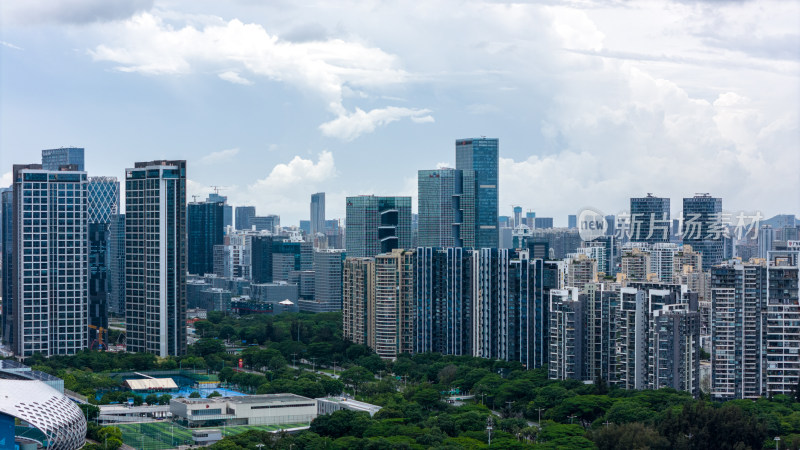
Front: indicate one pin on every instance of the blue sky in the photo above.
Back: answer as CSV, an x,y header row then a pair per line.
x,y
593,102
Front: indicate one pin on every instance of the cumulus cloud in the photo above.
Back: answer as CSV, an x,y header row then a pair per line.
x,y
349,126
148,44
72,11
235,78
288,187
220,156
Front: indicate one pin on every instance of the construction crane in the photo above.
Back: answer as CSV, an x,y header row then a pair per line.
x,y
218,188
99,340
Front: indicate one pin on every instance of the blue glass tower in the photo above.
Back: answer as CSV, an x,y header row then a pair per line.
x,y
205,231
481,155
7,243
54,158
103,204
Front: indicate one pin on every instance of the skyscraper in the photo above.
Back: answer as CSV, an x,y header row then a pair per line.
x,y
317,213
50,261
766,239
155,257
650,220
54,158
227,210
205,230
446,208
394,296
244,215
327,281
358,300
702,227
7,243
103,205
783,317
481,155
116,265
377,225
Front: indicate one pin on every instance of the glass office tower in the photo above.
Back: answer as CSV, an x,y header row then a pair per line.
x,y
481,155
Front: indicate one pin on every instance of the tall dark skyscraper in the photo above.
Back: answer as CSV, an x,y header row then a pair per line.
x,y
155,257
377,225
702,227
116,265
650,220
50,261
205,231
227,210
103,202
54,158
481,155
7,243
446,208
244,216
318,213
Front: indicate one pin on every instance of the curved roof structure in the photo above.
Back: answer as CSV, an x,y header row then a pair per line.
x,y
46,409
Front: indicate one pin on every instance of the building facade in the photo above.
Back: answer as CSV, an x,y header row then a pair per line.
x,y
50,261
317,213
377,225
54,158
446,208
650,220
703,229
481,155
206,229
155,257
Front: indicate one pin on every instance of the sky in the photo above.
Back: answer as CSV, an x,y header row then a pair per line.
x,y
594,102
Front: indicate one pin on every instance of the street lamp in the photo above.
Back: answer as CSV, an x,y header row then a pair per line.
x,y
777,442
540,416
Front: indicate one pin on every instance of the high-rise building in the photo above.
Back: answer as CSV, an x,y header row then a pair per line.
x,y
502,306
581,270
443,280
317,213
446,208
703,228
269,223
53,159
244,215
377,225
261,259
205,230
738,301
542,223
7,243
650,220
155,257
227,210
327,281
116,265
662,260
766,239
567,326
481,155
50,261
635,264
394,300
103,204
572,221
358,300
675,349
783,316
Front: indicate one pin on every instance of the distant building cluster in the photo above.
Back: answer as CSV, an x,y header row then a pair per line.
x,y
632,299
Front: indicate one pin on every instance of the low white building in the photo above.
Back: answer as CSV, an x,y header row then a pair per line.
x,y
269,409
329,405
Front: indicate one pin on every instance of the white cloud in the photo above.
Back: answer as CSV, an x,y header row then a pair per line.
x,y
220,156
148,44
287,189
9,45
350,126
6,179
235,78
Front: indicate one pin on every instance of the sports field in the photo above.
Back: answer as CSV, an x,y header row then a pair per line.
x,y
165,435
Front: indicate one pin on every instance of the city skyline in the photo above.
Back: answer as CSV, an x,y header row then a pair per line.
x,y
584,107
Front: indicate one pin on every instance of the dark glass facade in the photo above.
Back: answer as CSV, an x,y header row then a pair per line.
x,y
650,220
206,229
377,225
481,155
701,228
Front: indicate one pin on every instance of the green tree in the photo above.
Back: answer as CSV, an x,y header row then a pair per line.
x,y
356,376
194,394
427,397
628,435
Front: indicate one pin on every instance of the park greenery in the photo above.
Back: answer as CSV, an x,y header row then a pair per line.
x,y
298,353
